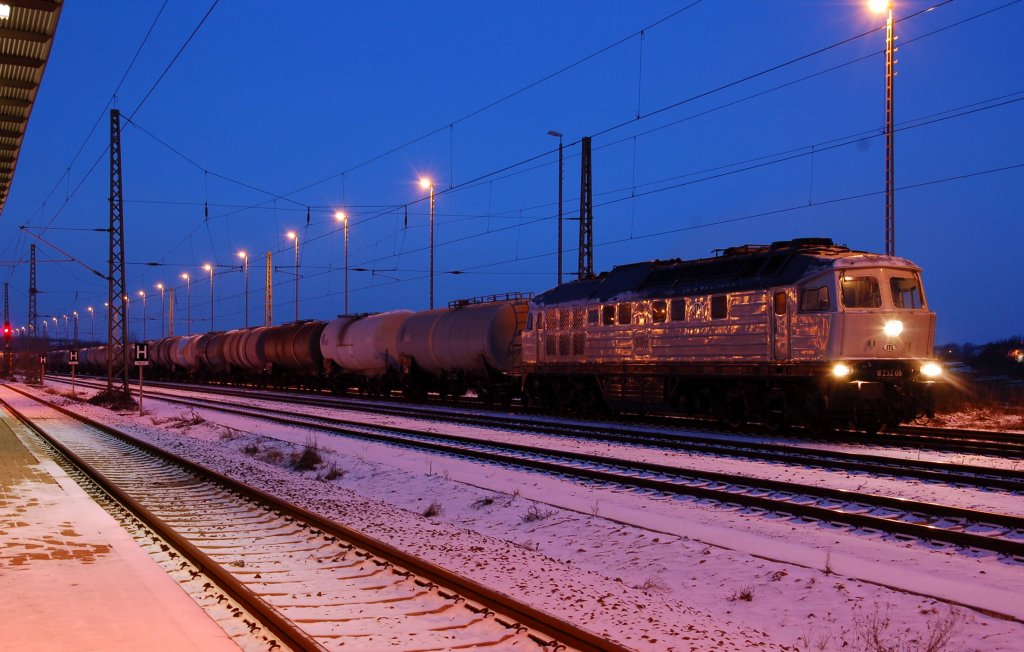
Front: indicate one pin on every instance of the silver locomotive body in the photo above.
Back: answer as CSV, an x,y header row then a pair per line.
x,y
800,331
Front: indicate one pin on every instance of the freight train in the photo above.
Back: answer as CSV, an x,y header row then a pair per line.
x,y
800,332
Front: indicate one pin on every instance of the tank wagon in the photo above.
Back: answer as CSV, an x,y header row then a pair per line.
x,y
471,345
800,331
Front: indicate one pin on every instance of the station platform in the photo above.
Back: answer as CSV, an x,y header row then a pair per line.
x,y
72,579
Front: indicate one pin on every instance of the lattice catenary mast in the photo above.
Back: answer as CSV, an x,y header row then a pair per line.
x,y
117,327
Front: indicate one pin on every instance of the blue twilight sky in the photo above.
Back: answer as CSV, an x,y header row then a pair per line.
x,y
275,113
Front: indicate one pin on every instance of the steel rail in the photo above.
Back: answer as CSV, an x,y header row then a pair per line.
x,y
560,631
583,467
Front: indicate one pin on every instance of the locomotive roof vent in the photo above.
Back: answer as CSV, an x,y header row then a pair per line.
x,y
803,243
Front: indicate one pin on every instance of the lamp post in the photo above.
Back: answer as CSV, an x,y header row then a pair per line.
x,y
245,258
75,314
209,268
142,293
127,316
427,183
560,160
160,286
66,337
92,324
292,235
341,217
188,301
886,6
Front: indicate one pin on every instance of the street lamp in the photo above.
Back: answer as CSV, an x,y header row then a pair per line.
x,y
559,136
341,217
75,314
878,7
209,268
188,302
142,293
292,235
65,329
92,324
427,183
245,257
160,286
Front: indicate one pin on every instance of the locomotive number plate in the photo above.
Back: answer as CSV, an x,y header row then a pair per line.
x,y
889,373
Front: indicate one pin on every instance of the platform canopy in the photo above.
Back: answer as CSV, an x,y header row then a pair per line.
x,y
26,36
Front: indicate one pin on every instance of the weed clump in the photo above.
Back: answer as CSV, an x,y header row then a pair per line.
x,y
309,458
114,399
535,513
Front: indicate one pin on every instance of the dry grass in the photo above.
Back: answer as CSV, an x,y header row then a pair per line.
x,y
331,473
874,633
309,458
536,513
433,510
746,594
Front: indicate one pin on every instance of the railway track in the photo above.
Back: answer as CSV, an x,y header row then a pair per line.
x,y
949,473
966,442
970,529
312,583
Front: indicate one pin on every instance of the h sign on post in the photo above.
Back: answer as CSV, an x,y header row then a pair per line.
x,y
141,355
73,358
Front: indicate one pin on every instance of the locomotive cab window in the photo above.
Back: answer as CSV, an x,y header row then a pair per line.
x,y
719,306
529,322
678,309
814,299
592,317
659,311
608,315
540,321
625,313
779,303
906,293
860,292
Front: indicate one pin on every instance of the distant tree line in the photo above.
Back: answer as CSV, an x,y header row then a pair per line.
x,y
1005,357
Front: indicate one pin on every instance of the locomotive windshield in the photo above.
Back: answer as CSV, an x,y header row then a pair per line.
x,y
906,292
860,292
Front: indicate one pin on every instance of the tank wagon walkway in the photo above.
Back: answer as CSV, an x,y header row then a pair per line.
x,y
72,578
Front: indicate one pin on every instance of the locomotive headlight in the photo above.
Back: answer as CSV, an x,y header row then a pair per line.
x,y
841,370
893,328
931,370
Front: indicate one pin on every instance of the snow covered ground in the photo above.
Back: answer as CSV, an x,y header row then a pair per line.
x,y
651,573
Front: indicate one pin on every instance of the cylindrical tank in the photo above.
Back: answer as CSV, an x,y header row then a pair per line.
x,y
183,353
211,352
233,347
367,346
160,352
250,350
295,346
466,339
